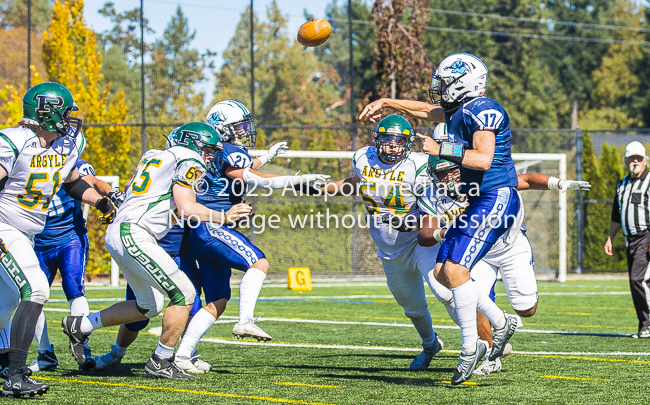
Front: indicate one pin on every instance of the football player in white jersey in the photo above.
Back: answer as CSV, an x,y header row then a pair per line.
x,y
390,177
36,158
163,183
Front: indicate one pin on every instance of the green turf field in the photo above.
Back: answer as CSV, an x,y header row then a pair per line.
x,y
351,344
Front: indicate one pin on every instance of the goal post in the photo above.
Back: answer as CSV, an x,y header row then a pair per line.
x,y
549,246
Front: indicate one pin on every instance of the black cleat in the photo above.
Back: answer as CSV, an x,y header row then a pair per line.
x,y
165,368
20,385
72,328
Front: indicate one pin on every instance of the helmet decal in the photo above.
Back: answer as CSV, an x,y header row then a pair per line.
x,y
188,137
47,101
459,67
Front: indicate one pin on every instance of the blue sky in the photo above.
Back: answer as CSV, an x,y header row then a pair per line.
x,y
214,20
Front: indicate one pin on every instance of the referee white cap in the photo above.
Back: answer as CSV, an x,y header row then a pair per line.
x,y
634,148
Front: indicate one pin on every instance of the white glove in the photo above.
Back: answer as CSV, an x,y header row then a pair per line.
x,y
563,184
315,178
273,152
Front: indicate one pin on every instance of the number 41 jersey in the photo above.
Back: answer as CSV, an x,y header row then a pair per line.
x,y
390,189
149,200
34,175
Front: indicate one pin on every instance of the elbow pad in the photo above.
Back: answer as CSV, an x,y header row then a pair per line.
x,y
269,183
76,188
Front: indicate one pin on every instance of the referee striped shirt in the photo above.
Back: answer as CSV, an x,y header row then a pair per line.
x,y
632,204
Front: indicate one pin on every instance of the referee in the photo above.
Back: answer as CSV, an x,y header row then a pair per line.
x,y
631,212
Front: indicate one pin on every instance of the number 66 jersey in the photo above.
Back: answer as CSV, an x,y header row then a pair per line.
x,y
34,175
390,189
149,200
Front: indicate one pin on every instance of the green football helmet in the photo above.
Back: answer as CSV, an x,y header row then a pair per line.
x,y
195,136
451,179
395,133
49,105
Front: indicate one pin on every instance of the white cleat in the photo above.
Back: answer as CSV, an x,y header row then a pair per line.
x,y
488,367
249,329
200,364
186,365
107,360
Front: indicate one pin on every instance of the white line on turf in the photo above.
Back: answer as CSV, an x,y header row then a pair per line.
x,y
156,331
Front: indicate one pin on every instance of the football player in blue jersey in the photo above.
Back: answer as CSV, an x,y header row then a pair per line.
x,y
479,142
63,246
219,249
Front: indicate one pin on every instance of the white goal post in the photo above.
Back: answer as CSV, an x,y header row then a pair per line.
x,y
522,162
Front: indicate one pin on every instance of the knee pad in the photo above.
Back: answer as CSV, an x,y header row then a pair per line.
x,y
137,326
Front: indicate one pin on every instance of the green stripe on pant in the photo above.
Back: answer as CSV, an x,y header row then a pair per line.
x,y
12,268
160,277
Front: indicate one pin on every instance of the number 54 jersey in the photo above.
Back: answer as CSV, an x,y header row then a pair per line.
x,y
34,175
149,201
390,189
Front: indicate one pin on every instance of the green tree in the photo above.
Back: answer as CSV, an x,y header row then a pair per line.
x,y
13,14
611,169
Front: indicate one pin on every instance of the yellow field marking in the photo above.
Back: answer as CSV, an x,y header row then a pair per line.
x,y
307,385
208,393
574,313
549,356
574,378
464,383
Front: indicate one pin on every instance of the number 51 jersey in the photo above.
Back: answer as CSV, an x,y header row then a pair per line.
x,y
390,189
149,200
34,175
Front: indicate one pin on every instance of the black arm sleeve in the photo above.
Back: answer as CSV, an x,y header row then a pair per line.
x,y
616,210
76,188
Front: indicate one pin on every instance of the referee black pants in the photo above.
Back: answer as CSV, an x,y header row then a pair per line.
x,y
638,266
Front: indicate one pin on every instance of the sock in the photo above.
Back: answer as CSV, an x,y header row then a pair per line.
x,y
79,306
164,352
22,333
451,310
199,324
4,336
425,330
119,350
91,322
489,308
41,336
465,299
249,290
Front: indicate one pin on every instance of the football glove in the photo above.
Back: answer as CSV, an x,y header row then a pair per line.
x,y
273,152
311,184
565,185
406,223
116,196
106,207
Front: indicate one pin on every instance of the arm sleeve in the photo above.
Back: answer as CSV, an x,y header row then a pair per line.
x,y
616,210
268,183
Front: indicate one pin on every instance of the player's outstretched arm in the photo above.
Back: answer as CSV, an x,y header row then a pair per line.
x,y
430,233
345,187
479,158
79,189
273,152
105,189
538,181
185,199
273,181
409,108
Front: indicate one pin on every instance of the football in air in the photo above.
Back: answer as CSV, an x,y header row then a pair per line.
x,y
314,32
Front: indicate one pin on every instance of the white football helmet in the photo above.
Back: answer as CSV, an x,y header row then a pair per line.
x,y
459,76
234,122
440,133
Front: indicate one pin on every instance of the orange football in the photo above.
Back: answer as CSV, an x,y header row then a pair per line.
x,y
314,32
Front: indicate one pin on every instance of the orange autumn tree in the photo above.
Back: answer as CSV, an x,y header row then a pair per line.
x,y
71,58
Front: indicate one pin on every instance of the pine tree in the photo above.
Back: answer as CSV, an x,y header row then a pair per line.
x,y
611,169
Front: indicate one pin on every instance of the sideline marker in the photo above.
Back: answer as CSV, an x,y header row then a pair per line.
x,y
299,279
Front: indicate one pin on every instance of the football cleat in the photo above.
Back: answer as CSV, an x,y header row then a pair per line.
x,y
108,360
467,363
249,329
200,364
644,333
165,368
4,373
72,328
20,385
506,350
501,336
488,367
422,361
45,361
187,365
